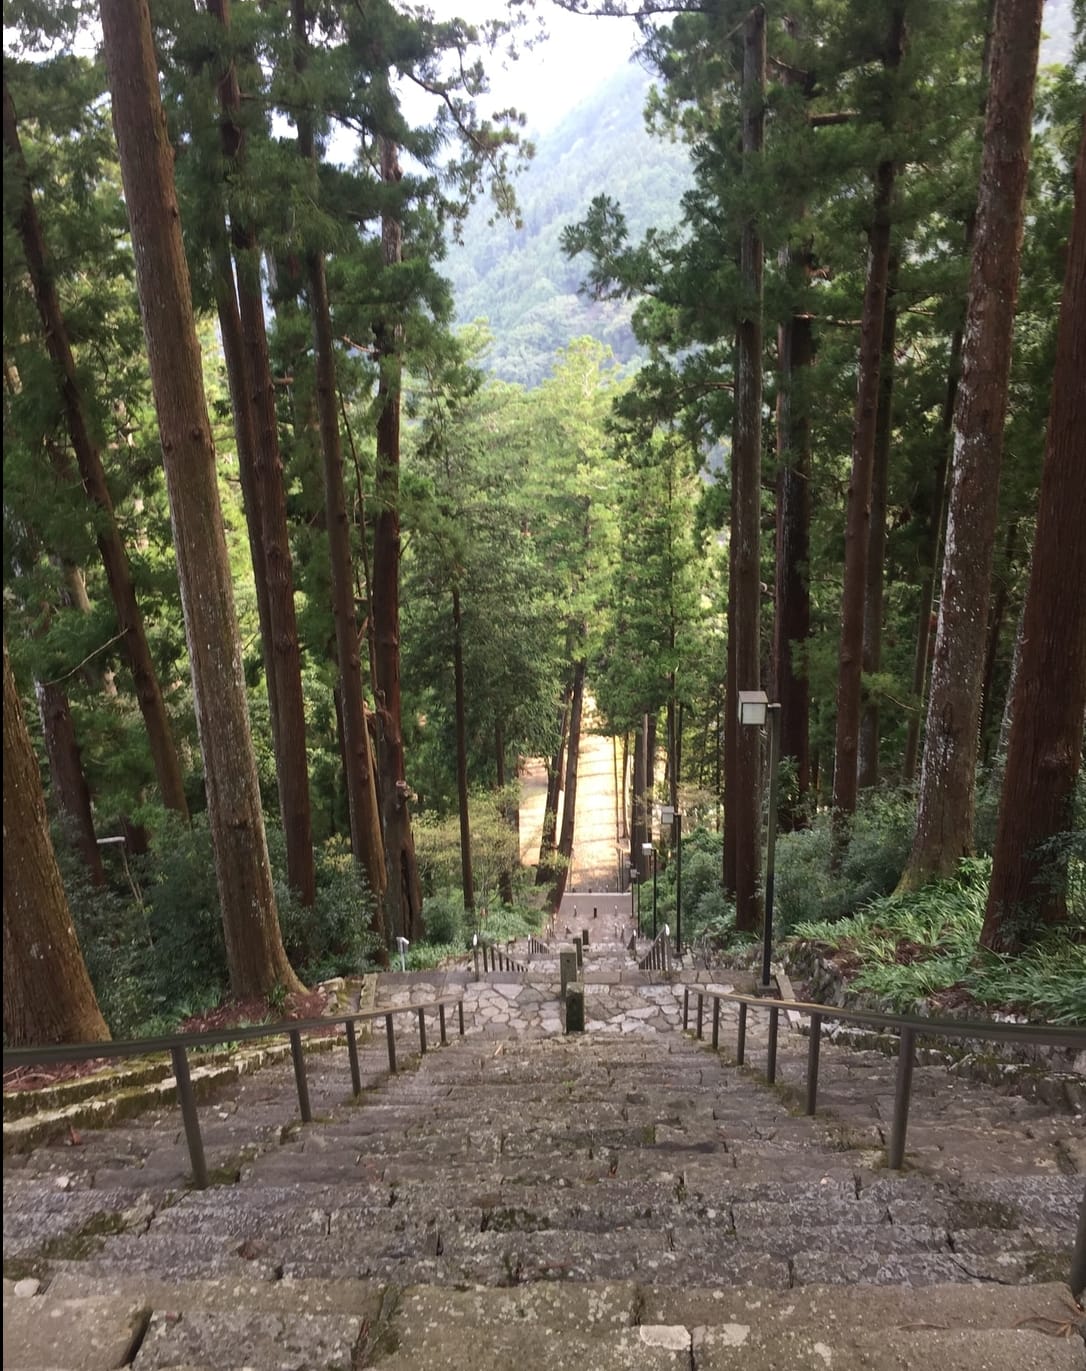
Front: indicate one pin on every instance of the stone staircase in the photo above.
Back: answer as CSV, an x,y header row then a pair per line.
x,y
623,1198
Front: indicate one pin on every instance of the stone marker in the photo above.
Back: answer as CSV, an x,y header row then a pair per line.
x,y
575,1007
567,967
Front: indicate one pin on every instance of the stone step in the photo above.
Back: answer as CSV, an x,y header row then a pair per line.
x,y
614,1326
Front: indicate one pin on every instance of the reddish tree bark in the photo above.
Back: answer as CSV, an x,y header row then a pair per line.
x,y
404,894
254,946
858,517
744,809
366,834
48,996
569,805
252,393
1044,752
944,828
868,764
67,780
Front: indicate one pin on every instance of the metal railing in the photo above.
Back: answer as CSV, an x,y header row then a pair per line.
x,y
658,957
494,958
536,947
180,1044
909,1028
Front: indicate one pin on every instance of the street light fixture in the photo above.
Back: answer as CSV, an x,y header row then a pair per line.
x,y
755,711
672,818
635,916
647,850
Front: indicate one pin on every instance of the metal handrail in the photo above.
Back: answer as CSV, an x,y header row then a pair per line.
x,y
179,1044
494,959
658,957
910,1027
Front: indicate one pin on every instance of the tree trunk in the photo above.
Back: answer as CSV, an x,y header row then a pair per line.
x,y
792,623
857,521
637,808
254,945
66,779
545,870
569,805
930,560
511,814
944,829
366,829
1026,894
745,793
404,894
92,474
868,765
48,996
731,725
996,616
462,757
253,395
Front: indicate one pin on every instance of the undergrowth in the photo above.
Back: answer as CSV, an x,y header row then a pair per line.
x,y
925,944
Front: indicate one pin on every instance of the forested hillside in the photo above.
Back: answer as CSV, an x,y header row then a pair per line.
x,y
294,582
518,277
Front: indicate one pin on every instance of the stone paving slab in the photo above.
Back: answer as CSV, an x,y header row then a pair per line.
x,y
93,1333
294,1342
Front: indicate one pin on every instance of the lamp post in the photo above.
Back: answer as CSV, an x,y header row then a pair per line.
x,y
635,911
649,850
755,711
672,819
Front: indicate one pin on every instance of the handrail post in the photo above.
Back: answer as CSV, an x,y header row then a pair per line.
x,y
906,1054
390,1034
701,1012
1077,1278
422,1032
813,1046
441,1021
352,1053
686,1007
716,1022
741,1036
475,958
460,1010
299,1075
771,1064
187,1100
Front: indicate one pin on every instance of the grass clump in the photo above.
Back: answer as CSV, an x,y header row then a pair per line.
x,y
923,946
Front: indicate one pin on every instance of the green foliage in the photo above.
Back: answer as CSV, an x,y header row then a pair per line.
x,y
923,944
333,937
443,917
806,885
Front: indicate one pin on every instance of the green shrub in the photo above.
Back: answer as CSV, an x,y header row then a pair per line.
x,y
443,917
333,937
806,887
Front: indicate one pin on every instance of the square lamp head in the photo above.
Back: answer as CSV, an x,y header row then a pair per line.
x,y
753,707
646,848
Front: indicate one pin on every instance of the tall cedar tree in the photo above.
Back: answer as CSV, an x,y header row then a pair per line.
x,y
403,898
944,828
92,473
68,784
1045,748
48,996
744,810
254,946
858,515
366,837
253,400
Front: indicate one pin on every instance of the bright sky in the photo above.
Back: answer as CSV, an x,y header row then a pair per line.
x,y
578,54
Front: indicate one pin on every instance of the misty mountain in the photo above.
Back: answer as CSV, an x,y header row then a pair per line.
x,y
519,279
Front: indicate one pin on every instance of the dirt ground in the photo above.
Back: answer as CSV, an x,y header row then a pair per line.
x,y
598,825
